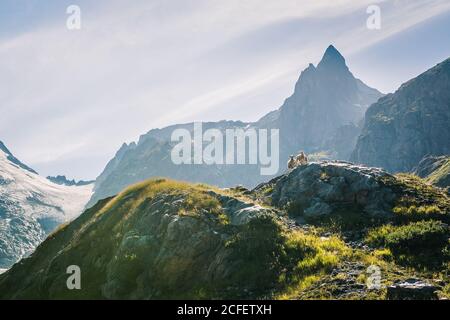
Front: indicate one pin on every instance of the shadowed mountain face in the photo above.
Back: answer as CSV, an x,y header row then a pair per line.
x,y
401,128
323,114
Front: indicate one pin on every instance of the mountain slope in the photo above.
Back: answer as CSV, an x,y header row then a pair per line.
x,y
322,114
167,239
401,128
435,170
31,207
13,159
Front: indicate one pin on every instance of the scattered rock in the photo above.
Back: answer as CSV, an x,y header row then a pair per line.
x,y
412,289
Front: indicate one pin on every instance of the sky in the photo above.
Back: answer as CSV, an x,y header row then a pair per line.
x,y
70,98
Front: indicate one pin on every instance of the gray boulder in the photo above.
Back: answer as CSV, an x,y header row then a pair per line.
x,y
412,289
320,188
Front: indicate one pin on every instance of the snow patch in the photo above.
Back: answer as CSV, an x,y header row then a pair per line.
x,y
31,207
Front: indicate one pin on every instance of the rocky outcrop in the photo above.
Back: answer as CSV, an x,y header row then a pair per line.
x,y
319,189
412,289
401,128
435,170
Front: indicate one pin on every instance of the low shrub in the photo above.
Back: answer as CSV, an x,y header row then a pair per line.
x,y
417,213
421,244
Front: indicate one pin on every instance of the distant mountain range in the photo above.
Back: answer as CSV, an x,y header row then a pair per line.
x,y
62,180
31,207
323,115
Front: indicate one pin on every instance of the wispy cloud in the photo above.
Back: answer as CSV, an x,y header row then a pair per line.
x,y
68,95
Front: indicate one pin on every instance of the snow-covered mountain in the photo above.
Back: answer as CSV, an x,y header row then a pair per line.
x,y
31,206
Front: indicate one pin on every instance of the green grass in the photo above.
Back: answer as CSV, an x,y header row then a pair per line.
x,y
258,250
198,203
197,199
347,218
436,176
421,244
412,213
418,192
311,275
417,200
445,292
279,263
310,257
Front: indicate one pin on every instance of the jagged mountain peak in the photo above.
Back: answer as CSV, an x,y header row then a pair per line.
x,y
331,71
325,98
332,57
332,52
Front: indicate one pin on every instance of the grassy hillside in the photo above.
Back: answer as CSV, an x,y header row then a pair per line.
x,y
168,239
440,177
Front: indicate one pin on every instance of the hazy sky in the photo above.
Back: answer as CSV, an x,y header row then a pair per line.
x,y
69,99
